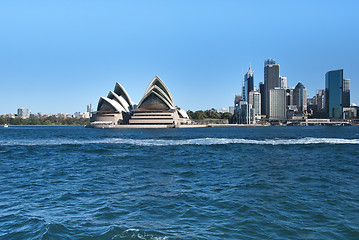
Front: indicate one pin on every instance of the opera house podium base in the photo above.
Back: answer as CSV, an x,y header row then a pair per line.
x,y
154,117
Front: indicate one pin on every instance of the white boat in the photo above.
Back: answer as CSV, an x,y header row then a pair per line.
x,y
5,125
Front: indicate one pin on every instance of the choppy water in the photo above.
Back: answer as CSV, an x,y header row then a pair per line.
x,y
208,183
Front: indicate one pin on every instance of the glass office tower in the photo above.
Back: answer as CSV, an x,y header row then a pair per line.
x,y
346,93
248,83
334,94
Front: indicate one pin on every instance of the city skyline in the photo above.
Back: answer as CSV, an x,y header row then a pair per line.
x,y
61,57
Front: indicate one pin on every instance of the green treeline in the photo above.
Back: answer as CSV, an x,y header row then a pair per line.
x,y
208,114
51,120
211,114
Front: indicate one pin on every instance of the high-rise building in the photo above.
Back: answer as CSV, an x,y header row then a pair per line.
x,y
262,91
271,80
255,101
346,92
248,83
283,82
277,107
89,109
243,112
300,97
320,100
289,96
23,113
334,94
237,99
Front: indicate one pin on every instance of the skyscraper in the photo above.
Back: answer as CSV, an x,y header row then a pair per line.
x,y
262,91
300,97
320,100
237,99
248,83
334,93
289,95
271,80
254,101
277,107
346,92
89,110
283,82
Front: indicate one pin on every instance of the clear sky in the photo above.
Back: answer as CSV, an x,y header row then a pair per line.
x,y
59,56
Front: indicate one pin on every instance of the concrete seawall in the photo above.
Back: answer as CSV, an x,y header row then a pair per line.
x,y
171,126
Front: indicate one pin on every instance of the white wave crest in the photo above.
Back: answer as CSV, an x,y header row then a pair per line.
x,y
177,142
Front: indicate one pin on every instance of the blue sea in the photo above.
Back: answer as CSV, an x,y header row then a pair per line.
x,y
205,183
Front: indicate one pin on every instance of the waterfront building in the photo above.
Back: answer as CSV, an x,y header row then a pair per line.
x,y
334,94
248,83
300,97
320,100
89,109
155,108
255,101
271,80
346,92
262,92
79,115
289,96
23,113
350,112
283,82
252,116
232,109
277,107
10,115
237,99
243,112
223,110
311,105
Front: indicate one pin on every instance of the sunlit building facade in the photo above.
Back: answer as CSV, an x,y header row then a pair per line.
x,y
277,107
300,97
271,80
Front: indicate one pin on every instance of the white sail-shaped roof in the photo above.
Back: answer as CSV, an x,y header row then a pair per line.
x,y
156,81
120,91
154,101
120,100
183,113
159,91
110,104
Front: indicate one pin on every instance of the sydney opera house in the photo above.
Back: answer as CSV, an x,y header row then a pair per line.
x,y
156,109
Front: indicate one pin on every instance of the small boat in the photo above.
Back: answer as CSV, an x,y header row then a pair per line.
x,y
5,125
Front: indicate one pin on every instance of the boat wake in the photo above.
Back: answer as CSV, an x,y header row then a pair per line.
x,y
178,142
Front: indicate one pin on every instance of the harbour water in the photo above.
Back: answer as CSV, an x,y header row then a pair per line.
x,y
205,183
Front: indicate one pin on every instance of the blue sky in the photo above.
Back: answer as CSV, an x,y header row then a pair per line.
x,y
59,56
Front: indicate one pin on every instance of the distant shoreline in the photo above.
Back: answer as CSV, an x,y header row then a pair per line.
x,y
197,126
42,125
166,126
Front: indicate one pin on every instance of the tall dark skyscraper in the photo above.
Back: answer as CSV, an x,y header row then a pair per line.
x,y
346,93
262,90
334,93
271,80
248,83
